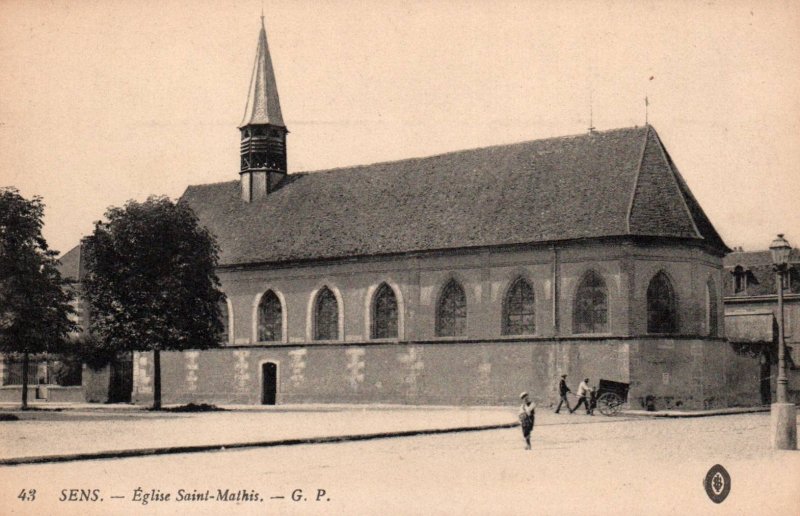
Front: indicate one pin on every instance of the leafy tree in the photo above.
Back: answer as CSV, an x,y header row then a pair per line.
x,y
35,305
150,281
93,352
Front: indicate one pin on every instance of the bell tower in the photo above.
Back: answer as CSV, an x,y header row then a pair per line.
x,y
263,133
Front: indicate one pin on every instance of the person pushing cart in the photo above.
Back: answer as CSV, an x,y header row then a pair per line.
x,y
584,394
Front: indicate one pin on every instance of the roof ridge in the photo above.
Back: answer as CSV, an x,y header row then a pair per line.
x,y
448,153
214,183
593,134
636,180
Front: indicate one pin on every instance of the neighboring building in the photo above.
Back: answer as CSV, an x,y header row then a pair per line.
x,y
751,315
50,377
109,381
64,378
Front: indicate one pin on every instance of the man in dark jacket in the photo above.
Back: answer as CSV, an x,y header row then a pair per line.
x,y
562,393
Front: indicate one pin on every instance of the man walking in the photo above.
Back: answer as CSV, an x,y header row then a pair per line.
x,y
583,393
562,393
527,415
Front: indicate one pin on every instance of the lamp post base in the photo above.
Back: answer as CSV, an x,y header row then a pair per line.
x,y
783,426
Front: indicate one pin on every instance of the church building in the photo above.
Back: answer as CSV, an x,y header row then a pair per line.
x,y
458,279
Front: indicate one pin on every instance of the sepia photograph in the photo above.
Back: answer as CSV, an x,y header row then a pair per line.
x,y
390,257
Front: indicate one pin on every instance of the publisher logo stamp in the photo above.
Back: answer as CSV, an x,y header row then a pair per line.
x,y
717,483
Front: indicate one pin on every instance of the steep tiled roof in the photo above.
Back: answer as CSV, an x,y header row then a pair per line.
x,y
699,218
658,208
757,266
748,258
70,264
591,185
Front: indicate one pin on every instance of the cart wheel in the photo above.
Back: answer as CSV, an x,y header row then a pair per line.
x,y
610,404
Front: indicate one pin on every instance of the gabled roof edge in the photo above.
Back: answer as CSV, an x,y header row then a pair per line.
x,y
636,181
684,191
675,181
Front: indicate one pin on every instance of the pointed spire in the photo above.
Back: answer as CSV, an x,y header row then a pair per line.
x,y
263,105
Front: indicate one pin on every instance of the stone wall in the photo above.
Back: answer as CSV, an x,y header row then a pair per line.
x,y
71,394
489,373
96,383
677,373
691,374
13,393
485,276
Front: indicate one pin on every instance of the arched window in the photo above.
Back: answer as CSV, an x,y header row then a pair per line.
x,y
326,316
661,313
384,313
711,308
451,314
518,311
224,318
590,314
270,318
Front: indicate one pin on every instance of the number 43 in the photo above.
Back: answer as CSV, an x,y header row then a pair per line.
x,y
27,495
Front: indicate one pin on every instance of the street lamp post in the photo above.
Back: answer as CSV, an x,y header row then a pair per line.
x,y
783,413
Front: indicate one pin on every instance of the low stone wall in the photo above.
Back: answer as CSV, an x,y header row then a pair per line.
x,y
13,393
49,393
447,373
691,374
682,373
57,393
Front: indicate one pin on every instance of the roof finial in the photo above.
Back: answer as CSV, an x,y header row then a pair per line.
x,y
262,13
647,103
591,111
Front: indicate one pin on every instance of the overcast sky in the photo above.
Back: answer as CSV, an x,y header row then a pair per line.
x,y
104,101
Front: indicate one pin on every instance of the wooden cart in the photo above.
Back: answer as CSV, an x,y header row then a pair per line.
x,y
611,396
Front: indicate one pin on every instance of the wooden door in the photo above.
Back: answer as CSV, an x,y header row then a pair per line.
x,y
269,383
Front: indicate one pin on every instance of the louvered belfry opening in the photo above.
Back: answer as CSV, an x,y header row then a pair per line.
x,y
263,160
264,148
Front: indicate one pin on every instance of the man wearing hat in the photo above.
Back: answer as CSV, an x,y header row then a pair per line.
x,y
562,392
527,414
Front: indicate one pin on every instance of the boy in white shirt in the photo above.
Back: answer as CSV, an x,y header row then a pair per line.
x,y
583,396
527,414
